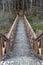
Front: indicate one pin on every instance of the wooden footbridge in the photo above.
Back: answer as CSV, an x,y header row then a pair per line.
x,y
21,41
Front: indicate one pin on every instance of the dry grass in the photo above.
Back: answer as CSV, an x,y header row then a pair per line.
x,y
6,21
36,23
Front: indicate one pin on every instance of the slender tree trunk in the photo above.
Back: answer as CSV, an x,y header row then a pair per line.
x,y
15,6
31,5
3,5
23,6
40,5
18,6
27,6
9,7
35,8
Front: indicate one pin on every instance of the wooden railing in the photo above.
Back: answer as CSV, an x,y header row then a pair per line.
x,y
38,45
13,28
3,41
6,41
36,42
29,29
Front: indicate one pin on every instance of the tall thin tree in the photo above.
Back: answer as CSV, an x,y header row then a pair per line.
x,y
3,3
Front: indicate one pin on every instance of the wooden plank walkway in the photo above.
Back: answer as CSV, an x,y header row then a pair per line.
x,y
21,51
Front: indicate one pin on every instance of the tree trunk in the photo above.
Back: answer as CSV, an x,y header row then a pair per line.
x,y
31,6
23,6
27,6
3,5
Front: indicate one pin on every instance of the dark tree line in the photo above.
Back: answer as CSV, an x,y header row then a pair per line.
x,y
16,5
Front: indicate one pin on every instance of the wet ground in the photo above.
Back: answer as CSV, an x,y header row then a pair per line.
x,y
21,52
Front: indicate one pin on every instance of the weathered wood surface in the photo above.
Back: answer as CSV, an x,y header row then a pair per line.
x,y
13,27
29,27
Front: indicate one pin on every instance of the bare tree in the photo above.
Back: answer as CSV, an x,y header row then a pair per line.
x,y
31,5
26,5
9,5
23,6
3,2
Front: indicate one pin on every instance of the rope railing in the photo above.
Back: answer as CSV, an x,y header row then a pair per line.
x,y
36,42
6,41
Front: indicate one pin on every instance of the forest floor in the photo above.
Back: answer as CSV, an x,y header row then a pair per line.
x,y
6,21
36,23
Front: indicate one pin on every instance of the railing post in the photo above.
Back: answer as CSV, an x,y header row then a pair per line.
x,y
7,46
35,46
0,49
42,47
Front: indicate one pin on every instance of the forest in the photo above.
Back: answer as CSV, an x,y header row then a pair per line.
x,y
33,9
17,5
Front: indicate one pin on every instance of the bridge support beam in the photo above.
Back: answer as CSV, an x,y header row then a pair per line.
x,y
7,47
0,49
42,47
35,47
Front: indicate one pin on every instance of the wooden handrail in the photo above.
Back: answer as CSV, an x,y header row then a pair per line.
x,y
4,37
36,42
39,43
29,27
11,33
39,37
12,27
6,40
